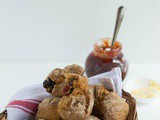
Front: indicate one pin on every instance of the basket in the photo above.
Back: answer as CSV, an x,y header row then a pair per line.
x,y
130,100
132,106
3,115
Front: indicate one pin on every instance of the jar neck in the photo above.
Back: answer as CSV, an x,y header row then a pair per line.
x,y
103,49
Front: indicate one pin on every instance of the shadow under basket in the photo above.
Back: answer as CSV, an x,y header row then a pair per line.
x,y
129,99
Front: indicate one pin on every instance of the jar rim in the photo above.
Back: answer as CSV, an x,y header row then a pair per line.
x,y
104,42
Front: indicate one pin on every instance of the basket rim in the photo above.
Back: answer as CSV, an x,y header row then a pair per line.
x,y
132,105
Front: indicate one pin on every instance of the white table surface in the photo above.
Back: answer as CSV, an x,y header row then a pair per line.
x,y
13,77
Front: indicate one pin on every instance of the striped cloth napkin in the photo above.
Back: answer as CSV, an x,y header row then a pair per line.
x,y
24,104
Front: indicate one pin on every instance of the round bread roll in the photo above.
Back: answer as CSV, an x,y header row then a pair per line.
x,y
91,117
56,83
47,110
76,107
74,69
109,105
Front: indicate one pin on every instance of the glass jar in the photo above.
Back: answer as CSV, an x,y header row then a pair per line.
x,y
103,58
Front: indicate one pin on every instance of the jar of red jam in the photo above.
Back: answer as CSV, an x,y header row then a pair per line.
x,y
103,58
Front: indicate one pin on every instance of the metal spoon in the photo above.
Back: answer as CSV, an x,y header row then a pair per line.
x,y
120,15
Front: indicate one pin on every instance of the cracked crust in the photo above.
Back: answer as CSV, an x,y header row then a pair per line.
x,y
47,110
71,81
76,106
109,106
74,69
59,79
91,117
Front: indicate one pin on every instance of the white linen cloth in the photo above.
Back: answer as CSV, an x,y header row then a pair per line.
x,y
24,104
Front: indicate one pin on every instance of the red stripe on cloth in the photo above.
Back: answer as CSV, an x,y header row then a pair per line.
x,y
26,104
34,100
26,111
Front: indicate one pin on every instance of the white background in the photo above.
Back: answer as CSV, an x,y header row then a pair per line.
x,y
42,31
39,35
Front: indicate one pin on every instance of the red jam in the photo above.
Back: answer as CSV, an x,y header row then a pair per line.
x,y
103,58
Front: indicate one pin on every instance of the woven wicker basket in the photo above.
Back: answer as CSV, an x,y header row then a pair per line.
x,y
3,115
130,100
132,106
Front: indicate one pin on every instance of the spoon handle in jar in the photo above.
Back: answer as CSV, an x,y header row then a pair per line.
x,y
120,15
